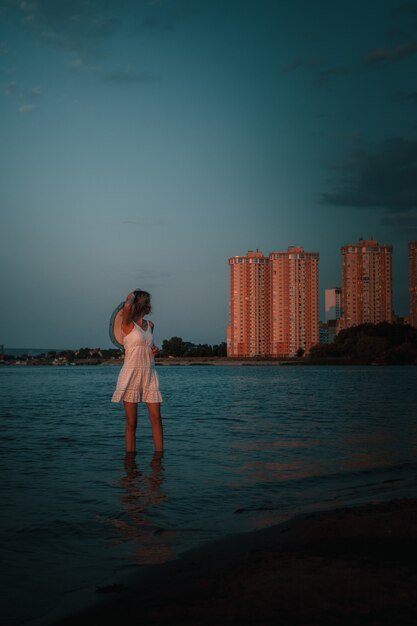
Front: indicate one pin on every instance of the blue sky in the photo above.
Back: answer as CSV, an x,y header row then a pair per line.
x,y
143,143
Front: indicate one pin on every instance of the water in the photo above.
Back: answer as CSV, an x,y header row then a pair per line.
x,y
246,447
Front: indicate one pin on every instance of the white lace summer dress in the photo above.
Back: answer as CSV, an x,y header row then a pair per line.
x,y
138,380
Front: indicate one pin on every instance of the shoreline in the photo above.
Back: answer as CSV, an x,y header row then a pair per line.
x,y
205,361
346,566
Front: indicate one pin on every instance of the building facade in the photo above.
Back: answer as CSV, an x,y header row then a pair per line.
x,y
294,322
273,303
366,283
412,256
333,303
248,331
328,331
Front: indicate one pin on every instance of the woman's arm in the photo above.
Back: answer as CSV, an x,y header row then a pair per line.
x,y
126,315
154,348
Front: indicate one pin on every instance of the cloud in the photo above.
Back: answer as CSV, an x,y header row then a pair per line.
x,y
82,26
383,56
36,91
323,76
75,25
26,108
10,89
385,178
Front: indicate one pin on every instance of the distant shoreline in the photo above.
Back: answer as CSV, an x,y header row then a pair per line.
x,y
192,361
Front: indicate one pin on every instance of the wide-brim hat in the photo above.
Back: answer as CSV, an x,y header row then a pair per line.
x,y
115,326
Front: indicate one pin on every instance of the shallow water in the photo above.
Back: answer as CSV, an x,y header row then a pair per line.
x,y
246,447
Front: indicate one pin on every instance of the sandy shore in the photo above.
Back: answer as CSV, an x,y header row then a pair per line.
x,y
355,566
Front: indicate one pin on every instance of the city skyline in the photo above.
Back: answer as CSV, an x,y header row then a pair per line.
x,y
144,143
273,301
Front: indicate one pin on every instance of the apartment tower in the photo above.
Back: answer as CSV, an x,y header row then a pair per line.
x,y
333,303
248,331
294,322
366,283
412,255
273,303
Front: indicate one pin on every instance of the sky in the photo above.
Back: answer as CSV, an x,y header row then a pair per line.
x,y
145,142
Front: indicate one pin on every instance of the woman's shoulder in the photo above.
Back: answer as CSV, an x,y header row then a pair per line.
x,y
127,328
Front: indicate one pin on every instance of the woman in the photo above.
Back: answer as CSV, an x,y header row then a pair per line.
x,y
138,380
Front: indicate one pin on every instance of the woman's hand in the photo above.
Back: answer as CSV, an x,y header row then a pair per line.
x,y
155,350
130,298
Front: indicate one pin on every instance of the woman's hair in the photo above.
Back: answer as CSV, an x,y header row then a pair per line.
x,y
141,305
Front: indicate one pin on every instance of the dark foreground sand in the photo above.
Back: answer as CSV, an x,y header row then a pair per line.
x,y
349,566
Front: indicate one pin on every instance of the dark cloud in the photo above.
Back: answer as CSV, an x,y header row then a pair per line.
x,y
383,56
386,179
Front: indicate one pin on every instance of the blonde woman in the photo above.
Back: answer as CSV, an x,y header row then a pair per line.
x,y
138,380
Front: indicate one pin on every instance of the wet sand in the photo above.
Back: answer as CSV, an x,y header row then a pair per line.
x,y
355,566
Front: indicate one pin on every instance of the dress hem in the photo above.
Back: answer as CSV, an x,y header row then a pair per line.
x,y
120,397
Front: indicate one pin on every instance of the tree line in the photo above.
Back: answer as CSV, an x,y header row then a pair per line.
x,y
177,347
391,344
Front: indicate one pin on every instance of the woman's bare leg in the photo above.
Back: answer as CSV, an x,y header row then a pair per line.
x,y
131,410
154,409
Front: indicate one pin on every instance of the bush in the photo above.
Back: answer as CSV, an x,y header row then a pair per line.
x,y
367,343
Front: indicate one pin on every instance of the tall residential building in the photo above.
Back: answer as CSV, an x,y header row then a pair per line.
x,y
333,303
293,283
412,255
273,303
366,283
248,332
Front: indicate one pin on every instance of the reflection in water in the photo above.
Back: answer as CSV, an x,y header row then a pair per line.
x,y
274,471
371,450
140,494
286,458
273,445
